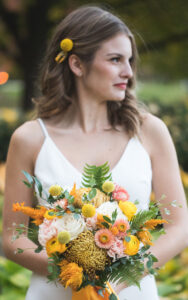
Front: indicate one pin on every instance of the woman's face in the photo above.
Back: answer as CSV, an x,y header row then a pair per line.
x,y
110,70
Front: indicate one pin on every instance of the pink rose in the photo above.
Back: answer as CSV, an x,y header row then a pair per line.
x,y
117,249
120,194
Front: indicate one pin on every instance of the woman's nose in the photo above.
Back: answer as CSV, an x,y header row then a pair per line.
x,y
127,71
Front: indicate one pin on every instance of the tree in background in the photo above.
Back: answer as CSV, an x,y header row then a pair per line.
x,y
25,26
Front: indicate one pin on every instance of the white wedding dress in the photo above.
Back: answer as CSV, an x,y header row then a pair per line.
x,y
133,172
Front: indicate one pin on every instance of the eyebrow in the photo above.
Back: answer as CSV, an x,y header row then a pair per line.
x,y
118,54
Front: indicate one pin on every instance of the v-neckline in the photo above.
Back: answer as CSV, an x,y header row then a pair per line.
x,y
74,168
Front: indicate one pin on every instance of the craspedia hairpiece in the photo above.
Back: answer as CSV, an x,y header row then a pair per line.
x,y
66,45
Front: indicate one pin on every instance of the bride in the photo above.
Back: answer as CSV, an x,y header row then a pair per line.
x,y
88,113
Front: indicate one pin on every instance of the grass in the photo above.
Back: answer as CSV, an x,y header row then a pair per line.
x,y
168,92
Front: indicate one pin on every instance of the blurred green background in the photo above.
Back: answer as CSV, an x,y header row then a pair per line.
x,y
161,32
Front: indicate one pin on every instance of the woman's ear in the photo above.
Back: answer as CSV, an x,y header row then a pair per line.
x,y
75,65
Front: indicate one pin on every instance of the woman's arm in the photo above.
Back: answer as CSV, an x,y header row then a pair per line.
x,y
167,181
24,146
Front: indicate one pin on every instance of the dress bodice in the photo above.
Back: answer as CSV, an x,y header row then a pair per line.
x,y
133,172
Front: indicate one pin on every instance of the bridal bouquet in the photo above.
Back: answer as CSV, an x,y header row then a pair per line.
x,y
92,235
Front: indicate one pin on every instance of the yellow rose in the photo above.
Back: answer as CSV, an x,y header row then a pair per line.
x,y
131,247
128,208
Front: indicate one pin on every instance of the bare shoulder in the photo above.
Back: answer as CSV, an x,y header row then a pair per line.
x,y
155,134
27,131
27,138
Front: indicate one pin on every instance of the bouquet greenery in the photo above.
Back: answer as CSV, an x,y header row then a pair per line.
x,y
92,235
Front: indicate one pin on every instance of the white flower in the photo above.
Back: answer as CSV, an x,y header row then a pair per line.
x,y
70,224
107,208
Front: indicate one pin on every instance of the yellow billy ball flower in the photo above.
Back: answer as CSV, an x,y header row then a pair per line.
x,y
128,208
88,210
131,247
55,190
108,187
63,237
66,45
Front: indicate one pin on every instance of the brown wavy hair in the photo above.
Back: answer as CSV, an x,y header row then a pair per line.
x,y
88,27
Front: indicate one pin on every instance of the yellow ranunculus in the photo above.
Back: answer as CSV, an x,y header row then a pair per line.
x,y
128,208
53,246
108,186
88,210
131,247
55,190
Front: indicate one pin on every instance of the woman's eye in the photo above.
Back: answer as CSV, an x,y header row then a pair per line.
x,y
115,59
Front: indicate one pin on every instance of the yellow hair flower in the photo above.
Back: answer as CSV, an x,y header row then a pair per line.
x,y
131,247
71,274
128,208
63,237
108,186
66,45
53,246
55,190
88,210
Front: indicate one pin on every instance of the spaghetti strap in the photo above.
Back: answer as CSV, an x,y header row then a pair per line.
x,y
43,127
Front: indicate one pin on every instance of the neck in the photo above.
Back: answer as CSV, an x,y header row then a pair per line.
x,y
89,115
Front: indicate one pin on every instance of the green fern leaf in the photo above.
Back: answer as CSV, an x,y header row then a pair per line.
x,y
141,217
128,273
95,176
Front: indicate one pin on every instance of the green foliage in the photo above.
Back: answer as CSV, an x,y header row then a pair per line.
x,y
6,131
169,102
123,271
14,280
31,180
53,267
141,217
96,176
